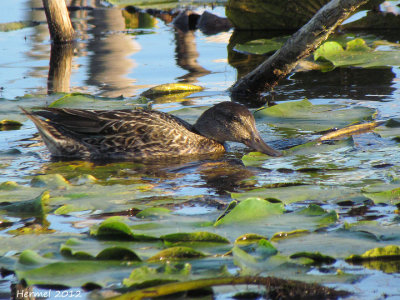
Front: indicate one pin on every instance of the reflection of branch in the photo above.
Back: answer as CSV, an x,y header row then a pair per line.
x,y
60,68
186,55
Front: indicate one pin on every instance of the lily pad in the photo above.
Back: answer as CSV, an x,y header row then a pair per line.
x,y
146,276
261,46
388,252
117,228
176,253
73,274
357,54
153,212
383,193
171,88
33,207
84,250
317,257
52,181
303,115
249,238
78,100
292,194
250,210
9,125
201,236
289,234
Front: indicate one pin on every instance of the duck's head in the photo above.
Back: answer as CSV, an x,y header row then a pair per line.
x,y
230,121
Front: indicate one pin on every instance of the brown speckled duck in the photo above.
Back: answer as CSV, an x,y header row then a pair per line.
x,y
144,134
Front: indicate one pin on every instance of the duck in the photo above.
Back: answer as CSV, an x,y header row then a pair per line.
x,y
143,133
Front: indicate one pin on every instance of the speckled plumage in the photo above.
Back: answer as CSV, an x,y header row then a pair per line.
x,y
142,134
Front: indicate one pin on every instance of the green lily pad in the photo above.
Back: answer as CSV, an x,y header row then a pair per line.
x,y
8,186
10,26
146,276
52,181
388,252
117,228
289,234
81,250
78,100
9,125
383,193
303,115
170,88
73,274
176,253
357,54
290,194
31,258
250,238
201,236
317,257
153,212
33,207
249,210
261,46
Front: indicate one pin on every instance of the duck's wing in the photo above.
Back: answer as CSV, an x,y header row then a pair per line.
x,y
111,133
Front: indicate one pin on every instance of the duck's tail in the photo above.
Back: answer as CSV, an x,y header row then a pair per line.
x,y
56,142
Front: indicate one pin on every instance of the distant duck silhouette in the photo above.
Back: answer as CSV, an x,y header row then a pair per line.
x,y
144,134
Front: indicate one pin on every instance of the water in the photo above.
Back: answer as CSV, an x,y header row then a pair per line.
x,y
111,59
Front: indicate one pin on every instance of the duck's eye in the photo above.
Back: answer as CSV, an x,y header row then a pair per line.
x,y
236,119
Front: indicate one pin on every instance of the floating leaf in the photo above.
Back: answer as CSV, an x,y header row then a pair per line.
x,y
249,210
288,234
290,194
72,274
8,186
9,125
52,181
389,252
83,250
31,258
317,257
328,49
357,53
170,88
312,210
249,238
383,193
116,228
304,115
33,207
176,253
201,236
79,100
153,212
261,46
146,276
10,26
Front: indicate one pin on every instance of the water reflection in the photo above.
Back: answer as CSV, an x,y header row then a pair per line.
x,y
351,83
109,49
187,54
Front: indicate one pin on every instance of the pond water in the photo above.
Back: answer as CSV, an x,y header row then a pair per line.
x,y
119,55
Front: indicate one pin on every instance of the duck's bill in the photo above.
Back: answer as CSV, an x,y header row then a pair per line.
x,y
259,145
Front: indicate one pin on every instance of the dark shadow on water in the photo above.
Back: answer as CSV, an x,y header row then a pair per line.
x,y
218,172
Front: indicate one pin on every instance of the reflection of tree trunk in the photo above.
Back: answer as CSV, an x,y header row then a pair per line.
x,y
299,46
58,20
186,55
60,68
109,61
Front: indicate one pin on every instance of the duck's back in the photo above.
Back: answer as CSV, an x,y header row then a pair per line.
x,y
119,134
